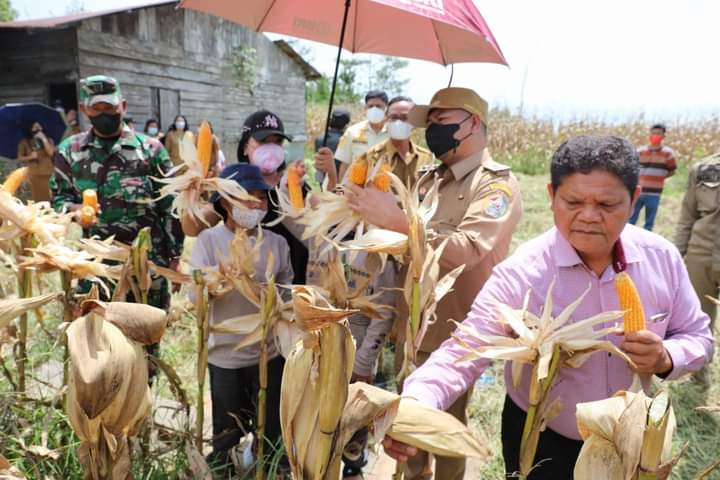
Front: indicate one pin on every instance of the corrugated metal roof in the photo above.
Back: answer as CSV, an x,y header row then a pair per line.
x,y
55,22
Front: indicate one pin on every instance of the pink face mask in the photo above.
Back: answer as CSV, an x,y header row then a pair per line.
x,y
268,157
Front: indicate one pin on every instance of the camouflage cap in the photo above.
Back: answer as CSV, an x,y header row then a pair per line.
x,y
100,88
450,98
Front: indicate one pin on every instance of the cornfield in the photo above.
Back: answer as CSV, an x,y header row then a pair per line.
x,y
527,144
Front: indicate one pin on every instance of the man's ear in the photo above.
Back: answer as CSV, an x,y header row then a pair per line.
x,y
635,197
123,106
551,192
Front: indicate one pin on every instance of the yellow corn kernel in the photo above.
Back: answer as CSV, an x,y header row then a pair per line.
x,y
204,146
90,199
295,188
14,180
630,302
382,179
358,172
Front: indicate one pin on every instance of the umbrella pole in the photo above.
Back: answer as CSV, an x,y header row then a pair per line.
x,y
319,175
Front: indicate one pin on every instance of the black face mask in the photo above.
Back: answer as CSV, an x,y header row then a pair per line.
x,y
106,123
440,137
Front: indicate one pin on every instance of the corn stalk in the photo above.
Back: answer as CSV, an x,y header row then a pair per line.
x,y
24,291
203,331
267,309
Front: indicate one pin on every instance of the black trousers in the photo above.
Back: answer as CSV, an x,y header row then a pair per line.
x,y
235,391
557,453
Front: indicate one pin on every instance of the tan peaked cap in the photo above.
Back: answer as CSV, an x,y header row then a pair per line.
x,y
450,98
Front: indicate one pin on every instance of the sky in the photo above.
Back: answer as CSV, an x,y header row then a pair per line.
x,y
609,59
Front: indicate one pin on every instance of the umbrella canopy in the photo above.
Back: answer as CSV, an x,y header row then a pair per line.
x,y
16,119
440,31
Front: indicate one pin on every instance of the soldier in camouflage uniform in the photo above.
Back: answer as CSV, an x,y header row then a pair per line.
x,y
698,236
118,163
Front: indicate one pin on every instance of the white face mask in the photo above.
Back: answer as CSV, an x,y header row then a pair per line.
x,y
399,130
247,218
375,114
180,125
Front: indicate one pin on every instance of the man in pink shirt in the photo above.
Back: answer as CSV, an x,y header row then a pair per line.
x,y
594,184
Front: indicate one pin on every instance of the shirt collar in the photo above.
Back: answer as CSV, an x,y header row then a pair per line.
x,y
469,164
370,130
392,151
567,256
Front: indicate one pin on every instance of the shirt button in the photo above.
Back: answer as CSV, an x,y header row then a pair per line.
x,y
461,196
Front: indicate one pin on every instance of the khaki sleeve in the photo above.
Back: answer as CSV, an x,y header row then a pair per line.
x,y
344,148
491,218
688,214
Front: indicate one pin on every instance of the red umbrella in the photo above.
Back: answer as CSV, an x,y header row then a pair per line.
x,y
441,31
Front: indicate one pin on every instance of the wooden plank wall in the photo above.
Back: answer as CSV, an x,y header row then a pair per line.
x,y
32,59
188,51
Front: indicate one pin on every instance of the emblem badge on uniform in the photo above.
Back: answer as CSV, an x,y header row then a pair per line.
x,y
496,204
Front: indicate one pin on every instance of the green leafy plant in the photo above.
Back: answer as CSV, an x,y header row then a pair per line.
x,y
243,61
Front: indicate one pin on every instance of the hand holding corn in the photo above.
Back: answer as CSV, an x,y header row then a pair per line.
x,y
377,208
646,349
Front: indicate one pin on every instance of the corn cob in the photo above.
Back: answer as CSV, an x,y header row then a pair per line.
x,y
90,199
204,147
358,172
382,179
14,180
630,303
295,188
315,386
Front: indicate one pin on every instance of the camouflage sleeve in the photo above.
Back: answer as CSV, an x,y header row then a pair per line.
x,y
160,165
62,186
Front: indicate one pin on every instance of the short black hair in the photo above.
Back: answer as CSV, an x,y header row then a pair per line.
x,y
399,98
586,153
149,121
377,94
659,126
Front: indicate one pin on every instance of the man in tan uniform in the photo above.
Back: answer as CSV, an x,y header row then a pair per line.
x,y
698,236
479,208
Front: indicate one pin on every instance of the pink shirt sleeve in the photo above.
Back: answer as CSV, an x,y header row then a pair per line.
x,y
442,379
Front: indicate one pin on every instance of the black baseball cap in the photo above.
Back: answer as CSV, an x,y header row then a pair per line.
x,y
246,175
262,124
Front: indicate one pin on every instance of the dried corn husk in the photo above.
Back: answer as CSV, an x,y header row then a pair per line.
x,y
37,219
627,436
142,323
8,472
315,386
406,420
191,186
11,308
54,256
108,396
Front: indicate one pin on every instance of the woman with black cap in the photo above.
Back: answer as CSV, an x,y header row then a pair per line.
x,y
260,144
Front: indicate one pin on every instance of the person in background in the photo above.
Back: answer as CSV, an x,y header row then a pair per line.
x,y
593,184
36,152
152,129
130,122
261,141
358,138
175,134
406,159
338,121
657,163
479,206
73,124
697,237
234,374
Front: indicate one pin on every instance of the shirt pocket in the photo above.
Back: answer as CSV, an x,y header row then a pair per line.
x,y
707,195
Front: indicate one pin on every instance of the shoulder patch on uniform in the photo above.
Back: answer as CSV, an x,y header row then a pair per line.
x,y
496,204
496,167
501,187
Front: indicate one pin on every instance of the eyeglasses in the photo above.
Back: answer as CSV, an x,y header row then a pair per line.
x,y
98,87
